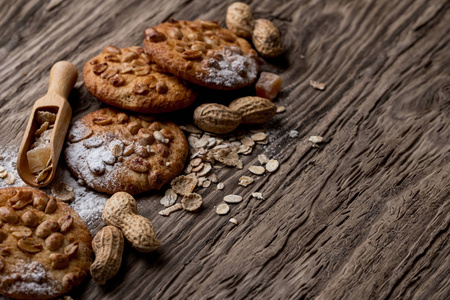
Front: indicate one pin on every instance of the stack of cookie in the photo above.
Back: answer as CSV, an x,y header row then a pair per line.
x,y
111,150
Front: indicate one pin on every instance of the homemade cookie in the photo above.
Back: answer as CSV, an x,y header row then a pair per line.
x,y
111,151
45,247
203,53
128,79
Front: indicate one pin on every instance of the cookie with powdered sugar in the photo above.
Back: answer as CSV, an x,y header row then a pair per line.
x,y
127,78
45,247
203,53
111,151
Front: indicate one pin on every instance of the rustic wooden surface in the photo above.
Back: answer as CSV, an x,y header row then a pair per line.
x,y
365,216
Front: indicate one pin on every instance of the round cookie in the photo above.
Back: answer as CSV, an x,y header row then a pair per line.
x,y
127,78
203,53
111,151
45,248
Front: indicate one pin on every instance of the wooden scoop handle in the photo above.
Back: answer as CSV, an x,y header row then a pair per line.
x,y
63,76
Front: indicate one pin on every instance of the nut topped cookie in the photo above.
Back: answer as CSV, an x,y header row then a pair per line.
x,y
203,53
111,151
127,78
45,247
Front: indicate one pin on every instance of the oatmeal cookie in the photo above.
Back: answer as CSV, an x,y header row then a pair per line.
x,y
203,53
127,78
111,151
45,248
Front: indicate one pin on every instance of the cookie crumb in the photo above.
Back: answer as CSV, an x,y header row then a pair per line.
x,y
63,191
258,196
317,85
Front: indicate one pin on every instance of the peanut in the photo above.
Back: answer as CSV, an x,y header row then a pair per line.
x,y
8,215
254,110
240,19
216,118
59,261
46,228
120,211
266,38
29,245
54,241
108,248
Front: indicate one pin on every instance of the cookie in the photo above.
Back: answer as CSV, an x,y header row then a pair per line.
x,y
45,248
203,53
127,78
111,151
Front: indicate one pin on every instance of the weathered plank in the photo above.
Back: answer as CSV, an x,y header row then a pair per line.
x,y
364,216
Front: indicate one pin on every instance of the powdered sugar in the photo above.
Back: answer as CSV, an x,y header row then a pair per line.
x,y
96,166
234,69
29,278
88,203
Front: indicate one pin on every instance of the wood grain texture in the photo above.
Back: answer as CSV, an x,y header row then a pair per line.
x,y
365,216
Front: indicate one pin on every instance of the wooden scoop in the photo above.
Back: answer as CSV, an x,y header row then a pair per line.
x,y
63,76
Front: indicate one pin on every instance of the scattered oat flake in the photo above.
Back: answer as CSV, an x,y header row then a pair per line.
x,y
272,165
227,156
317,85
280,109
240,165
222,209
258,137
183,185
3,174
63,191
206,183
9,179
197,168
232,198
234,221
245,149
262,158
205,170
247,141
220,186
257,170
263,142
213,178
195,162
245,180
200,143
236,143
192,202
188,169
170,197
258,195
171,209
200,181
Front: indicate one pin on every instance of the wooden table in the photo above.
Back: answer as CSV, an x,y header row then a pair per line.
x,y
364,216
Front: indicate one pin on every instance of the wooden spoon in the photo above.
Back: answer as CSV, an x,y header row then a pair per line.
x,y
63,76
